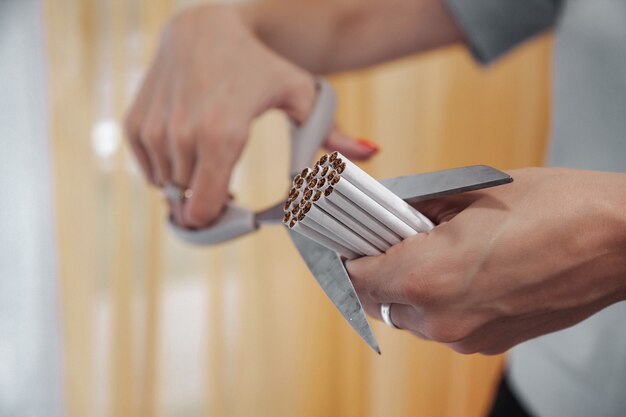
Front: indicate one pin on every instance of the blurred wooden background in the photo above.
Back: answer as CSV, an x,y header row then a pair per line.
x,y
155,328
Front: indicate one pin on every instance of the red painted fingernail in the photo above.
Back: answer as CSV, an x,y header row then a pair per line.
x,y
368,144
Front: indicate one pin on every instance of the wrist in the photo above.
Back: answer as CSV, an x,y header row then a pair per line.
x,y
613,219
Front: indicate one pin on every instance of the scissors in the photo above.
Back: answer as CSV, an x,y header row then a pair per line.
x,y
325,265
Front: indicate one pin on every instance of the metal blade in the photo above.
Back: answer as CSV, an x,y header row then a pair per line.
x,y
420,187
332,276
271,215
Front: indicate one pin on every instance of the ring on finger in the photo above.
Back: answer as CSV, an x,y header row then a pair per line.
x,y
385,312
176,193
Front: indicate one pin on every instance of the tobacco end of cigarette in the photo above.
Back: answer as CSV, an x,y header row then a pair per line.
x,y
308,194
305,172
324,171
333,156
293,222
341,167
328,191
323,159
317,195
331,176
301,215
321,182
287,204
306,208
315,170
335,180
299,182
295,209
312,183
286,217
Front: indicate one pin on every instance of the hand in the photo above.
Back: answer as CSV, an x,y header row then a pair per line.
x,y
507,264
211,77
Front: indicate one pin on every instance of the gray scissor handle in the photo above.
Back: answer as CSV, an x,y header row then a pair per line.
x,y
306,139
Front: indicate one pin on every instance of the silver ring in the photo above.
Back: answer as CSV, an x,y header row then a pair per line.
x,y
385,311
176,193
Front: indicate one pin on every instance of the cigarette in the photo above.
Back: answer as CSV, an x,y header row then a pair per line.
x,y
322,240
362,216
381,194
328,222
305,172
307,221
360,229
368,204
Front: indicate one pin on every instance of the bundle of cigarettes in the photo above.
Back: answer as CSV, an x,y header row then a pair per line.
x,y
341,207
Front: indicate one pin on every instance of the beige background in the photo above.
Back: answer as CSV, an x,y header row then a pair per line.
x,y
155,328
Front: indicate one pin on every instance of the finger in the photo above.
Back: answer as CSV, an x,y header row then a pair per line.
x,y
181,148
298,95
182,158
390,277
358,149
444,209
404,316
135,120
153,139
209,191
176,211
142,158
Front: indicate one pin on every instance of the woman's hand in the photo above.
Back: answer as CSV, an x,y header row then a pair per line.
x,y
211,77
507,264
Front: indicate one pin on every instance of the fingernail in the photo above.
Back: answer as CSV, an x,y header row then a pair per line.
x,y
368,144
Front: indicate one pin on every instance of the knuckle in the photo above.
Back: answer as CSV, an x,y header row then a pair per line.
x,y
225,137
132,126
447,330
181,138
299,84
201,215
153,136
431,286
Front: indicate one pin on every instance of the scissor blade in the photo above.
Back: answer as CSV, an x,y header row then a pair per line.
x,y
332,276
420,187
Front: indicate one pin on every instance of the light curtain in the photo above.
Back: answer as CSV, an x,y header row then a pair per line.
x,y
153,327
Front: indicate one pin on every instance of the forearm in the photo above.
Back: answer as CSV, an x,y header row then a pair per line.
x,y
326,36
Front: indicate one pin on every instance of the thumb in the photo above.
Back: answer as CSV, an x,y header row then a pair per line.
x,y
357,149
444,209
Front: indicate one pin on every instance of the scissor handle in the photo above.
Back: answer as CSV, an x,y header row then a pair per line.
x,y
306,139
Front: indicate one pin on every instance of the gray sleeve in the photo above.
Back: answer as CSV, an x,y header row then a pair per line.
x,y
493,27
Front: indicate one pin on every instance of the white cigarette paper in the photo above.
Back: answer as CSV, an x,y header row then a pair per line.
x,y
359,198
330,223
324,240
330,234
365,218
385,197
348,220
